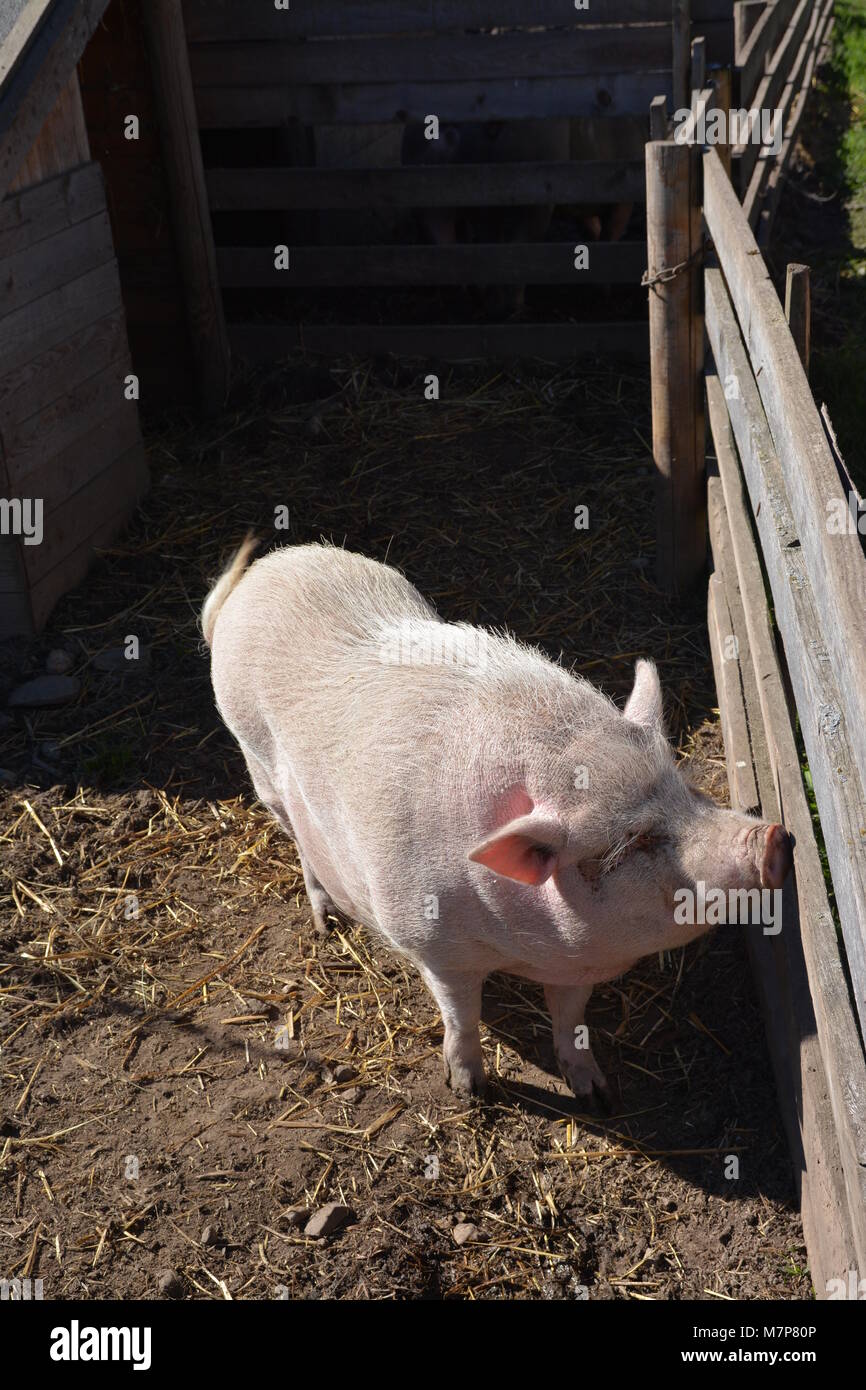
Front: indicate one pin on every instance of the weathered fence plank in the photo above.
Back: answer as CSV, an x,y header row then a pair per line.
x,y
835,563
553,342
436,58
826,732
225,20
520,98
545,263
455,185
842,1066
762,41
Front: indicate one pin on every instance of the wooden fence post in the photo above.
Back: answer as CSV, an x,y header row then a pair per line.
x,y
178,120
676,359
698,66
722,102
798,309
681,24
658,118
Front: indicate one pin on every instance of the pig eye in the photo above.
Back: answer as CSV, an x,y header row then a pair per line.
x,y
645,841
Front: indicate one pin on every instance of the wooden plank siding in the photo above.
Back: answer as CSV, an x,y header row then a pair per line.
x,y
547,263
552,342
455,185
370,67
223,20
62,142
39,59
380,102
586,49
68,435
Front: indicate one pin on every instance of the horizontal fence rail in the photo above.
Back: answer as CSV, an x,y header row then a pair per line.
x,y
548,263
455,185
215,20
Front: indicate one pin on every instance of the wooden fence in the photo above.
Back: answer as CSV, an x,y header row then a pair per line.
x,y
774,500
376,65
776,51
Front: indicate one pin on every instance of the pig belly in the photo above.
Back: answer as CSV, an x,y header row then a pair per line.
x,y
566,970
330,861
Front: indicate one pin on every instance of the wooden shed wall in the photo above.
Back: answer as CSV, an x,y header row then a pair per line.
x,y
68,435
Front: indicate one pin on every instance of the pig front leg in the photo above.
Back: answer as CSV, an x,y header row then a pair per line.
x,y
459,1000
567,1004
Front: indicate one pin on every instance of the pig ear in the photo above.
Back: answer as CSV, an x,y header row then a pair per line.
x,y
644,704
525,849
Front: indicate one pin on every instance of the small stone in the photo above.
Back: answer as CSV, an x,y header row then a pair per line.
x,y
352,1095
210,1236
297,1216
45,691
115,661
464,1232
170,1284
327,1220
344,1072
58,662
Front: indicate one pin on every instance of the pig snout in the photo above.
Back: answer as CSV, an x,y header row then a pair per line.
x,y
776,856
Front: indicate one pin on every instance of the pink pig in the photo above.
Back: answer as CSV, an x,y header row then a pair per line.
x,y
475,803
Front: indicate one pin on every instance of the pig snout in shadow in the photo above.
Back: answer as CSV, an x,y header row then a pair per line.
x,y
777,857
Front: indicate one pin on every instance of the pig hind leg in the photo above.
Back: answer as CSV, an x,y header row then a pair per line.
x,y
459,1000
320,902
567,1004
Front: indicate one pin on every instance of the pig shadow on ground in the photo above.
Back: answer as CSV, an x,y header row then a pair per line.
x,y
688,1091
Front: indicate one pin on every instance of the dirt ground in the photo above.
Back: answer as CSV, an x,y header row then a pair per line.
x,y
189,1072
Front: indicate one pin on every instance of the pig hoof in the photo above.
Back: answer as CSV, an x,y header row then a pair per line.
x,y
597,1100
322,909
601,1102
589,1086
464,1080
